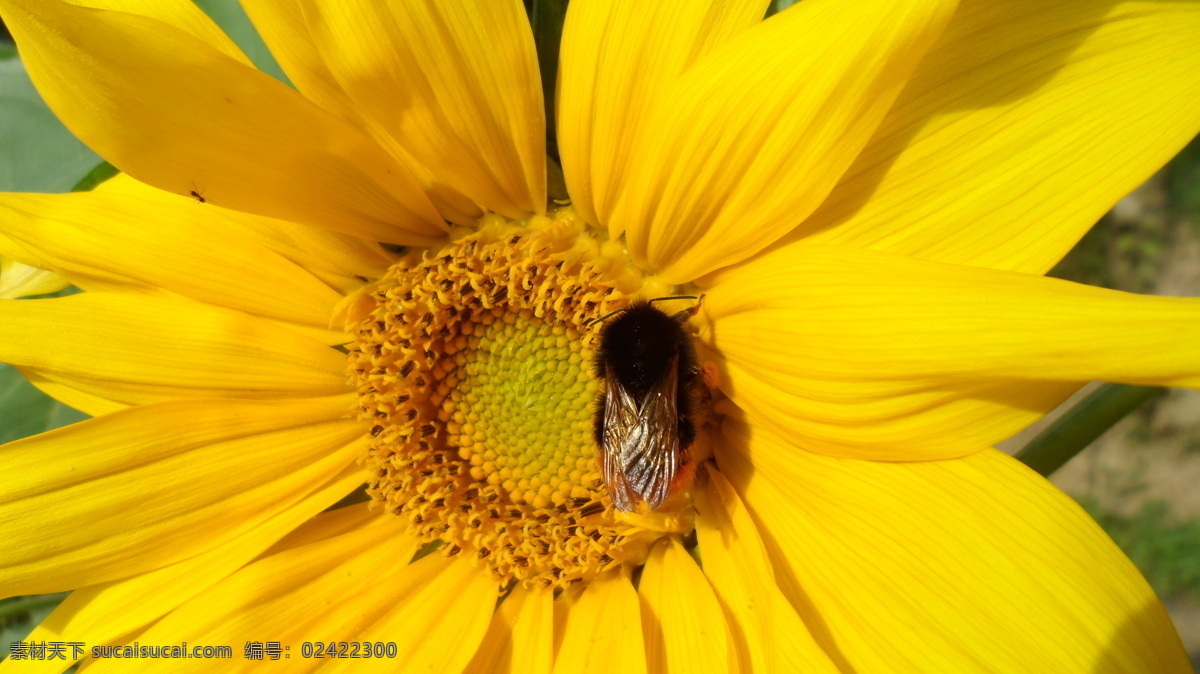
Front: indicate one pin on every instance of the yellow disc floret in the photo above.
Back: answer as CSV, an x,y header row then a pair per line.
x,y
517,407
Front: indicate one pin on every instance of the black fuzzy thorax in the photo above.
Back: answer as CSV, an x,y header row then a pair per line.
x,y
636,348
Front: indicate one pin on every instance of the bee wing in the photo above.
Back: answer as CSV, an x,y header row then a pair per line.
x,y
641,442
620,416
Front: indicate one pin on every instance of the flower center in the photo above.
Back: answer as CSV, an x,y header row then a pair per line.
x,y
517,407
473,366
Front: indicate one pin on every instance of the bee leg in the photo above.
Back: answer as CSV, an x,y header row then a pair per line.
x,y
687,431
685,475
598,421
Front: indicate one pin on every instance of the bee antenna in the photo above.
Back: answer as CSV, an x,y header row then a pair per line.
x,y
610,314
605,317
673,297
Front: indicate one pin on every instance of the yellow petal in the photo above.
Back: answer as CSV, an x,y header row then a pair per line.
x,y
455,84
171,111
281,25
602,631
767,633
179,14
1024,124
101,614
90,404
520,637
326,525
616,59
439,622
966,565
324,591
18,279
137,349
338,259
138,489
858,353
752,139
104,240
682,622
563,604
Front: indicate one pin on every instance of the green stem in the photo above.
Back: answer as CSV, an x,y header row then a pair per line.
x,y
1082,424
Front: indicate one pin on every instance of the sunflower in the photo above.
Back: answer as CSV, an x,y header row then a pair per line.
x,y
867,195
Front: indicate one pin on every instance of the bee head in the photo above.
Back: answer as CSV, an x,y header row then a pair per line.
x,y
641,344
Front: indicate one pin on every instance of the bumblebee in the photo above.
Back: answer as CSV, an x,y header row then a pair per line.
x,y
646,416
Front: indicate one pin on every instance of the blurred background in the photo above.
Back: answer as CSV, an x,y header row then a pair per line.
x,y
1138,479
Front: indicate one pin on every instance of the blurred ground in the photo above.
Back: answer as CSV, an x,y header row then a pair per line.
x,y
1140,478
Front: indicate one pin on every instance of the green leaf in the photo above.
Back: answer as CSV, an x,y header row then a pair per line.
x,y
102,172
778,6
37,153
546,17
25,411
232,19
1183,180
1082,424
19,615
